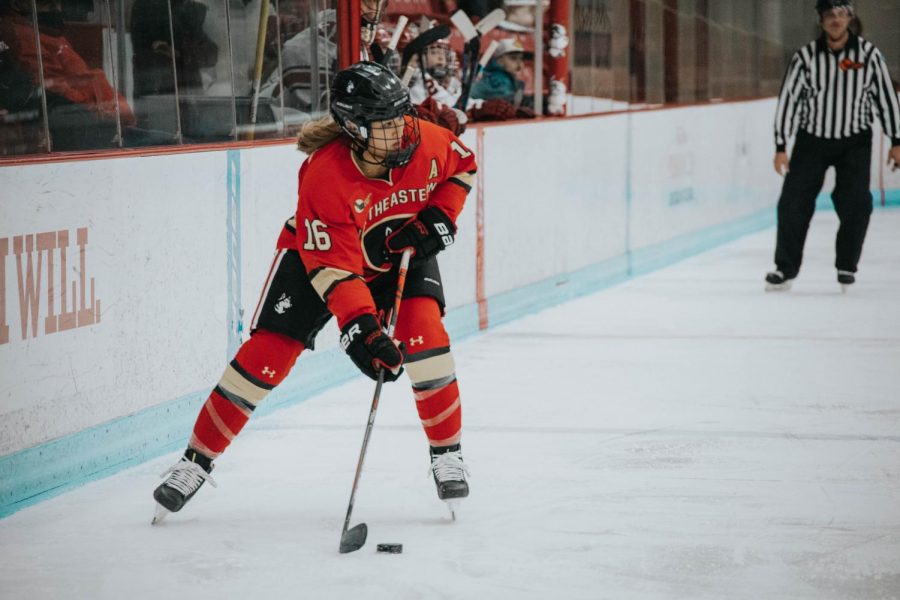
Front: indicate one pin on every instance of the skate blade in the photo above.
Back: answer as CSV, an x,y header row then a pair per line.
x,y
160,515
779,287
844,288
453,506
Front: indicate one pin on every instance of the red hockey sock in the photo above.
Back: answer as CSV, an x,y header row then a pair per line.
x,y
261,364
431,370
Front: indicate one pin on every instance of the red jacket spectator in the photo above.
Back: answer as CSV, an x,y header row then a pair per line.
x,y
65,72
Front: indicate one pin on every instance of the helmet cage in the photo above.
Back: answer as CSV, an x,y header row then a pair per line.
x,y
438,72
356,121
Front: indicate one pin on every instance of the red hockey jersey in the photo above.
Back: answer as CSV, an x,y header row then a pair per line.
x,y
343,217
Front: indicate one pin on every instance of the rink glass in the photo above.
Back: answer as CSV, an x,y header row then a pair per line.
x,y
184,72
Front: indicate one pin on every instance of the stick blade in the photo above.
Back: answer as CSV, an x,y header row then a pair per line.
x,y
398,31
354,538
490,21
462,22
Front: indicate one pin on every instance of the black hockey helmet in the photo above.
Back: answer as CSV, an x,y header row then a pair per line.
x,y
367,92
826,5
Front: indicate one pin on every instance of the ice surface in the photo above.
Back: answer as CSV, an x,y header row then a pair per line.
x,y
683,435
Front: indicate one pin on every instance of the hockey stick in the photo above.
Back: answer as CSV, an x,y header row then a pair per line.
x,y
490,20
392,45
470,52
353,539
472,49
464,24
469,31
258,65
482,63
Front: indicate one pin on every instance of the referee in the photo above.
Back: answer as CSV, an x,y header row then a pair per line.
x,y
830,91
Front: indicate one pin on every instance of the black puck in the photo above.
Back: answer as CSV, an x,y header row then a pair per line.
x,y
390,548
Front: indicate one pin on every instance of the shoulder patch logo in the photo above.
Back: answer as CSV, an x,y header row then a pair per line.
x,y
434,169
360,204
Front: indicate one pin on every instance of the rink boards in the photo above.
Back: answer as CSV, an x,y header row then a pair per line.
x,y
128,282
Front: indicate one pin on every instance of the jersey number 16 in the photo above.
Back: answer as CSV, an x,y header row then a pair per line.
x,y
316,236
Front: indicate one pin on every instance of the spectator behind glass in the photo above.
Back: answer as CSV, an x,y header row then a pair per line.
x,y
500,90
151,39
435,93
500,78
439,77
435,87
305,92
82,106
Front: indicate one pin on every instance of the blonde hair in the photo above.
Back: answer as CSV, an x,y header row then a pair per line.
x,y
316,133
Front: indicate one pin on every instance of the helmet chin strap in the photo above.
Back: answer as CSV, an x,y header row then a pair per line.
x,y
360,144
360,147
360,152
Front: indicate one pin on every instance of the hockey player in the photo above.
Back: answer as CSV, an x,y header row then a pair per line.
x,y
377,181
435,77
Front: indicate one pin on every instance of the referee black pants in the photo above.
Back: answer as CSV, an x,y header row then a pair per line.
x,y
851,158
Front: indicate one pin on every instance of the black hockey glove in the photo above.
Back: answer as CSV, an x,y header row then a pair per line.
x,y
429,233
371,349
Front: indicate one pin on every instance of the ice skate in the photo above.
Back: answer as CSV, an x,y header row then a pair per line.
x,y
846,279
777,282
184,479
449,472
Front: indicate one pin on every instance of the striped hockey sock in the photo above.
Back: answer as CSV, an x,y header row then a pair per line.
x,y
261,364
440,412
431,370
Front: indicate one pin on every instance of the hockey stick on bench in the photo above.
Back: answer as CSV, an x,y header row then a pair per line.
x,y
472,48
482,63
353,539
490,20
469,31
395,39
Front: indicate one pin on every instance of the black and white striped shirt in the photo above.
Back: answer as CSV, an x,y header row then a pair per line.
x,y
832,95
